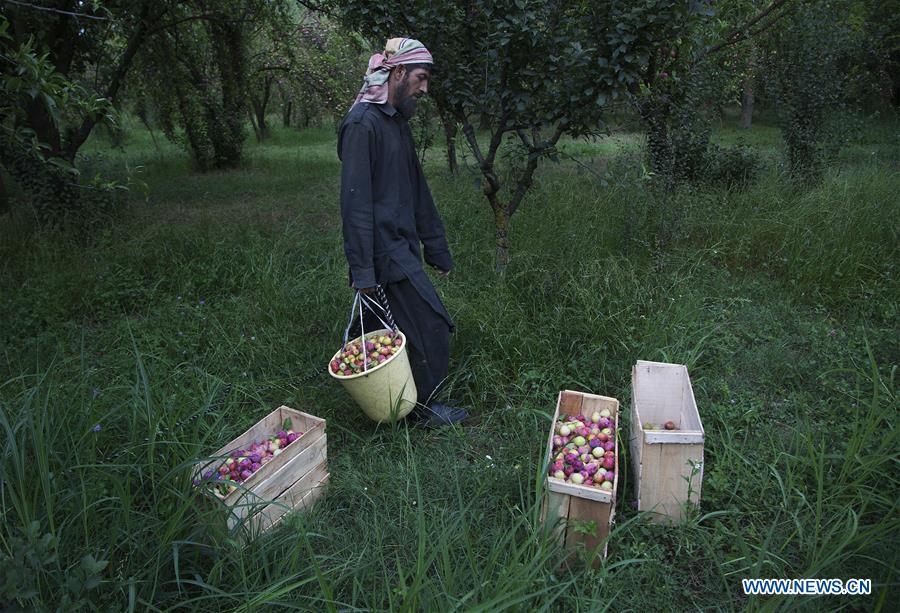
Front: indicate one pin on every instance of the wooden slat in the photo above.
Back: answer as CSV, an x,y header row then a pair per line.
x,y
290,499
636,440
311,426
274,485
591,403
582,491
690,406
618,463
570,402
672,437
307,501
664,488
658,391
552,431
555,508
584,510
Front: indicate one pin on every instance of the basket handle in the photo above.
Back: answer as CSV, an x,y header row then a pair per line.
x,y
361,300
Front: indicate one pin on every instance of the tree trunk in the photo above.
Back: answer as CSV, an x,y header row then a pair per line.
x,y
231,58
450,133
262,130
4,197
255,126
286,112
501,227
77,137
659,143
747,100
260,107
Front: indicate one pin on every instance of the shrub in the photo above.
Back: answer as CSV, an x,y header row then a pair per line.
x,y
808,80
733,167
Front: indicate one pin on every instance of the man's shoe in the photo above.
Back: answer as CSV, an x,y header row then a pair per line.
x,y
438,415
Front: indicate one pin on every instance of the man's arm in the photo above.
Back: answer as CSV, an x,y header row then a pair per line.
x,y
429,226
357,214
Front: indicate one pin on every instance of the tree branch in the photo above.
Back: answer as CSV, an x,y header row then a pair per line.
x,y
172,24
741,32
469,131
77,137
57,11
527,177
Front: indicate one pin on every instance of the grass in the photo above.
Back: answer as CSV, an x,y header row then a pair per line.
x,y
218,297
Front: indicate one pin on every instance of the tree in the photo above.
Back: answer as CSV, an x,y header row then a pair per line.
x,y
325,76
273,41
680,82
76,56
807,74
195,72
534,70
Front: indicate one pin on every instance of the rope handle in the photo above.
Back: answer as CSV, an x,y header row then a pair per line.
x,y
361,300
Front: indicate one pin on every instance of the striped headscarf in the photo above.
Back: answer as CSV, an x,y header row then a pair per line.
x,y
397,51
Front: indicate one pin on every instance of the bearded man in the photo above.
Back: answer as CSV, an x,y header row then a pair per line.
x,y
387,211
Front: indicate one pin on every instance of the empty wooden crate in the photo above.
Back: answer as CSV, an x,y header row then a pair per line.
x,y
587,510
291,481
667,464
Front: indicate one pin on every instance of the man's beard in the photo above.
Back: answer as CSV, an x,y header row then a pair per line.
x,y
407,107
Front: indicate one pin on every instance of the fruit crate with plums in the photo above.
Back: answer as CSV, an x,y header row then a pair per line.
x,y
666,441
276,467
583,472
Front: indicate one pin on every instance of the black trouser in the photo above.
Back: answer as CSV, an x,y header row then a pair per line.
x,y
427,336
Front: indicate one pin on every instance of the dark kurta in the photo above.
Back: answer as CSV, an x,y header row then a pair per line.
x,y
386,206
387,211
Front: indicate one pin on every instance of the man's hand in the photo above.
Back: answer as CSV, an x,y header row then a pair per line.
x,y
364,290
443,273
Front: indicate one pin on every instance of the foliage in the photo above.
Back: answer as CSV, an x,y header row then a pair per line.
x,y
808,77
690,74
53,185
534,70
734,167
873,76
307,60
195,73
179,329
325,74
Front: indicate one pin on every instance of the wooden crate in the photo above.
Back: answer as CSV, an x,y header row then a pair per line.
x,y
293,480
667,464
580,503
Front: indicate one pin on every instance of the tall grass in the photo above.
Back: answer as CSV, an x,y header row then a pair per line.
x,y
222,296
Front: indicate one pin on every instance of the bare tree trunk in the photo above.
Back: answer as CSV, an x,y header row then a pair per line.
x,y
450,131
260,106
252,114
286,112
747,100
262,130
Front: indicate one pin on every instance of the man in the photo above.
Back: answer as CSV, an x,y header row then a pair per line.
x,y
387,211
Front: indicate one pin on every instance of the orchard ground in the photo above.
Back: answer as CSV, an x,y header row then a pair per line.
x,y
228,291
